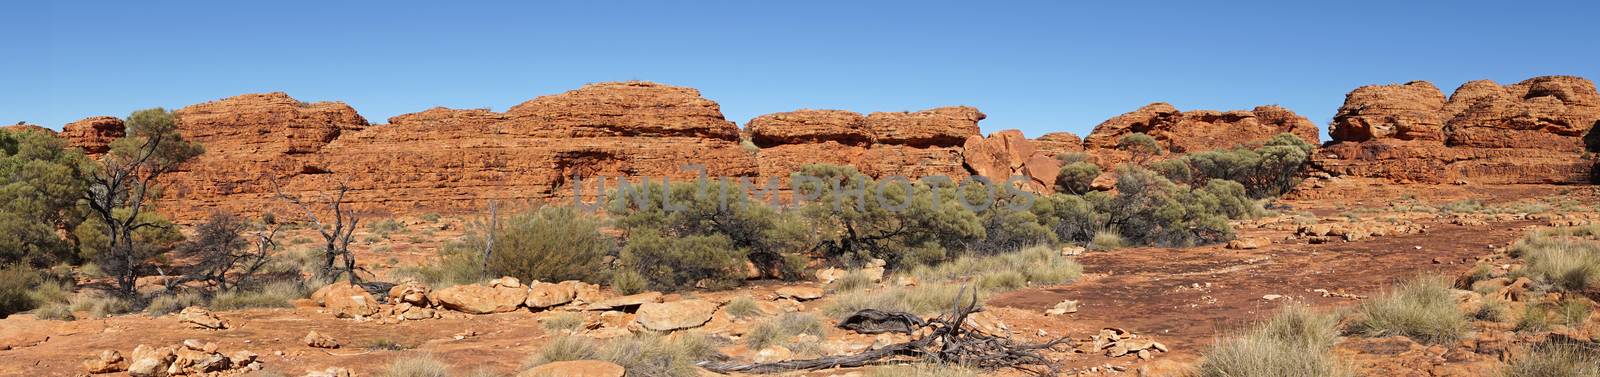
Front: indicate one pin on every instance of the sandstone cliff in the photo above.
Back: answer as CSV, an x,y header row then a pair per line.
x,y
1528,132
1181,132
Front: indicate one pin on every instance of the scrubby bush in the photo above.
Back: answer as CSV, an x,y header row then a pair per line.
x,y
1151,210
1140,146
781,330
417,366
1294,343
172,303
1106,240
769,239
1009,224
1077,178
1555,359
629,282
670,263
1267,171
15,284
1554,257
551,243
1423,309
1073,218
564,322
565,348
742,307
903,223
923,370
276,294
660,356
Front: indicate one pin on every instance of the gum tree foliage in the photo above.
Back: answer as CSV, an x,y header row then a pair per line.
x,y
908,226
43,180
771,240
1267,171
119,192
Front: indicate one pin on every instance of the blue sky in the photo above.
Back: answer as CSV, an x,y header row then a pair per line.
x,y
1035,66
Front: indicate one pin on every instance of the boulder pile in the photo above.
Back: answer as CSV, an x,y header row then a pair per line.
x,y
190,358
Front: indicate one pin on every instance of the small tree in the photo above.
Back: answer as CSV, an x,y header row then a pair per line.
x,y
912,224
1142,147
221,248
336,236
124,182
41,181
1077,178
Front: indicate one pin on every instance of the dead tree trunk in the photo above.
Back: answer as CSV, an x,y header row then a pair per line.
x,y
336,236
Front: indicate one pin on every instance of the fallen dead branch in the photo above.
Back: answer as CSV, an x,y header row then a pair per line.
x,y
947,339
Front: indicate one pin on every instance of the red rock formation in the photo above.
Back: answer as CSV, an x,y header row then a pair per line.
x,y
25,127
1529,132
1059,143
906,144
93,134
1008,153
1196,131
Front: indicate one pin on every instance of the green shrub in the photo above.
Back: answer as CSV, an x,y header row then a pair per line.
x,y
1555,359
1142,147
1267,171
549,243
1572,265
742,307
629,282
1002,281
16,283
1077,178
417,366
43,181
904,224
1535,318
1106,240
1293,343
1008,224
100,304
383,228
55,311
1072,218
767,238
1423,309
671,263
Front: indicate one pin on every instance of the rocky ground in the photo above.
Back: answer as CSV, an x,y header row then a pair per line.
x,y
1330,254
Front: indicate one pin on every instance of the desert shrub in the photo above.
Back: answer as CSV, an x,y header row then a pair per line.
x,y
1572,265
564,321
1140,146
922,370
1037,265
55,312
1267,171
1423,309
769,239
1295,342
1002,281
99,304
1009,224
1106,240
172,303
417,366
781,330
904,223
15,284
551,243
1573,311
1535,318
276,294
652,355
670,263
629,282
565,348
1493,310
742,307
853,280
383,228
1073,218
922,299
1151,210
1555,359
1077,178
431,217
457,263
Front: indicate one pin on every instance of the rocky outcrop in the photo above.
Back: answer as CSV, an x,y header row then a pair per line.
x,y
1008,153
26,127
1201,130
1059,143
906,144
93,134
1530,132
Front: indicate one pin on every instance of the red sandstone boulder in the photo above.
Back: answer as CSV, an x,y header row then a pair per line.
x,y
1059,143
944,126
93,134
1008,153
633,108
1412,111
25,127
809,127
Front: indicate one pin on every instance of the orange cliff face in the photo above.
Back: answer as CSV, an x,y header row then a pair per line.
x,y
457,160
1485,133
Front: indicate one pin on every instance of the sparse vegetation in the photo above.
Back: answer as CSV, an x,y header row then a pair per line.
x,y
1423,308
1555,257
563,322
782,330
1268,171
922,370
742,307
1295,342
1555,359
417,366
641,354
